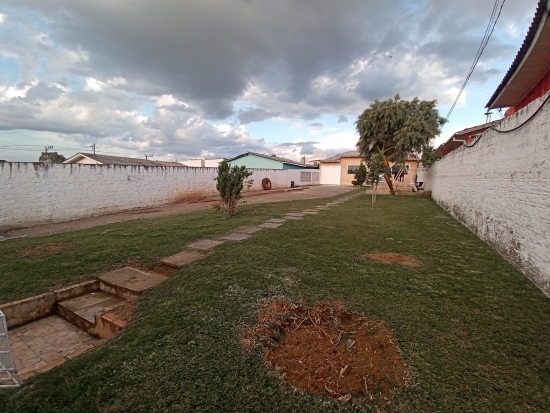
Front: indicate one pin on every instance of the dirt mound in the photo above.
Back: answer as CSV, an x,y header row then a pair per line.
x,y
393,258
327,351
41,249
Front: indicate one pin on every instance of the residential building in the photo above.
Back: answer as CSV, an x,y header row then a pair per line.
x,y
96,159
529,76
202,163
254,160
462,136
340,169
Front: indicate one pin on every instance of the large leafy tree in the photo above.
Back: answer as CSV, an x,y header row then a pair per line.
x,y
397,127
54,157
429,157
377,168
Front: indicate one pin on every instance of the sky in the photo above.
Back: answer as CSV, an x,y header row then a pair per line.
x,y
215,78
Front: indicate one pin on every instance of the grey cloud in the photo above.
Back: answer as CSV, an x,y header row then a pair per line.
x,y
44,91
342,119
315,125
254,115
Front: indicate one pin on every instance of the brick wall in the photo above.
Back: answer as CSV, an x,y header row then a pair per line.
x,y
500,189
34,193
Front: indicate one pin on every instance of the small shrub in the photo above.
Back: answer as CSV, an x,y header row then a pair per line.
x,y
230,182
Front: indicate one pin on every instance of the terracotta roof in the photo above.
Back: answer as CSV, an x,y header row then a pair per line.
x,y
458,138
121,160
275,158
532,62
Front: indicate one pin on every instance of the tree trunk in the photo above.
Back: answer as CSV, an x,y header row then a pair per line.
x,y
390,184
388,178
374,195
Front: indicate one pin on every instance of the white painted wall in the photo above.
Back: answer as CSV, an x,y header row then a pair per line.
x,y
35,193
500,189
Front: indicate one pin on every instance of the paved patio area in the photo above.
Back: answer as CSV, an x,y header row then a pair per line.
x,y
44,344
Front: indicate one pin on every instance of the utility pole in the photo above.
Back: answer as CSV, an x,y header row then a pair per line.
x,y
93,147
148,156
46,149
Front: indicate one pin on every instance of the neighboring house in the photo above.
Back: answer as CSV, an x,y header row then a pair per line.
x,y
94,159
340,169
529,76
254,160
202,163
462,136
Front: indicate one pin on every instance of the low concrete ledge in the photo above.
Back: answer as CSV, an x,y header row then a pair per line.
x,y
34,308
29,309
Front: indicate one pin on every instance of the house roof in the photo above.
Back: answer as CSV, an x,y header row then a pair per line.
x,y
459,137
120,160
532,62
356,154
272,157
336,158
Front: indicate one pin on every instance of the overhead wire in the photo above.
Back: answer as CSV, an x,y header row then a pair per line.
x,y
488,32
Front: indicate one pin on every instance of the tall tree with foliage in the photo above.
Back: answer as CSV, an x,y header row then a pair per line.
x,y
397,127
54,157
360,175
429,157
376,169
230,182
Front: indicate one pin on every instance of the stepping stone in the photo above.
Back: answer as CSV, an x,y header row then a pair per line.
x,y
311,212
276,221
181,258
129,282
269,225
205,244
236,237
248,230
295,214
292,217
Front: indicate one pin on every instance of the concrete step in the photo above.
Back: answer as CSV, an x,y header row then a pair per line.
x,y
81,311
129,282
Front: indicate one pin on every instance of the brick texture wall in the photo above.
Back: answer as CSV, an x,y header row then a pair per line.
x,y
500,189
34,193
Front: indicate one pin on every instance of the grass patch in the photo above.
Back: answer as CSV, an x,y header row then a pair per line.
x,y
473,330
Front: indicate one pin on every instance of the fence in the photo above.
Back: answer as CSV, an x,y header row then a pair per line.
x,y
8,373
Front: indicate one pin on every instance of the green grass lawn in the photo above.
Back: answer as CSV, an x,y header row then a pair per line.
x,y
474,331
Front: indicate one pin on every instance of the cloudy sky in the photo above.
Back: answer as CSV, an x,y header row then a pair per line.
x,y
215,78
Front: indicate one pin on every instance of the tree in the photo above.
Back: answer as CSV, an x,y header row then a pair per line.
x,y
397,127
230,182
429,157
53,157
377,168
360,175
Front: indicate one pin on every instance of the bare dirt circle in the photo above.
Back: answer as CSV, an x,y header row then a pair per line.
x,y
327,351
42,249
393,258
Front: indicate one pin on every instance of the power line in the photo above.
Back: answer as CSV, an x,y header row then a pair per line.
x,y
488,32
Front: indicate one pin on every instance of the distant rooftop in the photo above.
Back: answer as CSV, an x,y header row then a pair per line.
x,y
276,158
119,160
356,154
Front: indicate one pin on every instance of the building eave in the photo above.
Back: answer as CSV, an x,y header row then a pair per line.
x,y
532,62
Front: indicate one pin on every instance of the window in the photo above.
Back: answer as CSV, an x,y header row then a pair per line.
x,y
352,169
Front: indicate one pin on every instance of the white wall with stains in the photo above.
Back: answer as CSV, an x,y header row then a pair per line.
x,y
36,193
500,189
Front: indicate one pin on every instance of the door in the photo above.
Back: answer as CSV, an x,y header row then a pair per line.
x,y
330,174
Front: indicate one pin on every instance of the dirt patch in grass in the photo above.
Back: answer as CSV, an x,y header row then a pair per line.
x,y
327,351
125,310
43,249
393,258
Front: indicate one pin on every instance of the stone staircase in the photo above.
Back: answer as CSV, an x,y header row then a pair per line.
x,y
94,312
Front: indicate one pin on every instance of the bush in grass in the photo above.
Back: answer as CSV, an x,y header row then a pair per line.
x,y
230,182
360,175
377,169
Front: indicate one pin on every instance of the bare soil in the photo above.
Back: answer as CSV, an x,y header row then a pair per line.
x,y
393,258
41,249
327,351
